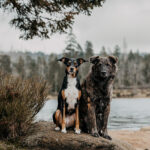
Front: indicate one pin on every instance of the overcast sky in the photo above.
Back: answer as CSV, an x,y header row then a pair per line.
x,y
108,26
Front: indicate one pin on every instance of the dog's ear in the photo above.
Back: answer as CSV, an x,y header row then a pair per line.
x,y
94,59
64,60
113,59
81,61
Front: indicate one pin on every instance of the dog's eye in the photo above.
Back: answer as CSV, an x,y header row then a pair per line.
x,y
69,63
107,64
75,63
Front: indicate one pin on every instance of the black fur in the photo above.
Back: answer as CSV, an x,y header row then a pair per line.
x,y
71,72
96,96
60,99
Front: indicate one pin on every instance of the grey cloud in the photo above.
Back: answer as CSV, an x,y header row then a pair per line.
x,y
106,26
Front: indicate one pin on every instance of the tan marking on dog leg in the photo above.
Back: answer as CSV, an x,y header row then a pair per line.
x,y
63,121
63,94
57,117
64,111
60,119
79,94
89,105
77,129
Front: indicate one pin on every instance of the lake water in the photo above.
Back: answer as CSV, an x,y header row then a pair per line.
x,y
131,114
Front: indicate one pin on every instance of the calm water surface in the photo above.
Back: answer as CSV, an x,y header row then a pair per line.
x,y
125,113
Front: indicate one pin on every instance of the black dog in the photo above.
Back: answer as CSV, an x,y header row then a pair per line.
x,y
96,96
67,113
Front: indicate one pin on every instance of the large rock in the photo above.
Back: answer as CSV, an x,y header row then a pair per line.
x,y
43,136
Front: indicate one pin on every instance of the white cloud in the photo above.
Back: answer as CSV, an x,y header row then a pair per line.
x,y
116,20
107,26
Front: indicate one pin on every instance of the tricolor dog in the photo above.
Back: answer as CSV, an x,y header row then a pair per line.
x,y
67,113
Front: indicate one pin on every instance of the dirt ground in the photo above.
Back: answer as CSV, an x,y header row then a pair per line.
x,y
138,139
43,136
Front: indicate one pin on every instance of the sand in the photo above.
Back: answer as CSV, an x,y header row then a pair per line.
x,y
140,139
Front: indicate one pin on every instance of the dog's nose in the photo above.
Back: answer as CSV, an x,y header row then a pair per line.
x,y
71,69
103,73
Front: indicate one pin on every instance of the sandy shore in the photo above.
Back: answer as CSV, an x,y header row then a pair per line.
x,y
138,139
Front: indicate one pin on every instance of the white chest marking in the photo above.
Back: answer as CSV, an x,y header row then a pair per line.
x,y
71,93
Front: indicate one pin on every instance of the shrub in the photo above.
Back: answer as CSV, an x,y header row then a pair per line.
x,y
20,101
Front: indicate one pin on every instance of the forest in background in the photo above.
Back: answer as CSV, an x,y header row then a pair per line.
x,y
133,67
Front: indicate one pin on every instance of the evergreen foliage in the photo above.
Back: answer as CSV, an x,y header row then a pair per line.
x,y
133,70
42,18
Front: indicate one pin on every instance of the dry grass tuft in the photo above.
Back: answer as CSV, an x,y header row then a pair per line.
x,y
20,101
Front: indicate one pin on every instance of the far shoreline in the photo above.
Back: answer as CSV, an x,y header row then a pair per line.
x,y
121,93
50,97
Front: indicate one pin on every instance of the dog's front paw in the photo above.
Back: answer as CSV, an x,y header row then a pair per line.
x,y
77,131
64,130
106,136
57,129
95,134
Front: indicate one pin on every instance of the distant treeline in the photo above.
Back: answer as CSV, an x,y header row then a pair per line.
x,y
133,70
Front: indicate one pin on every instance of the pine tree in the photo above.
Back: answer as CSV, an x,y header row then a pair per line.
x,y
89,52
45,68
103,52
131,56
5,63
117,51
20,67
146,69
71,49
53,73
80,51
32,66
